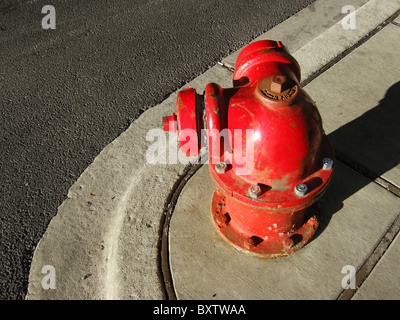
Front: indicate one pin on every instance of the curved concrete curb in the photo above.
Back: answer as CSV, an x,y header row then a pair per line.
x,y
104,241
81,242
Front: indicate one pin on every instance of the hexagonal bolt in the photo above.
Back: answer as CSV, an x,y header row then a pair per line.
x,y
254,192
252,242
278,84
327,164
223,220
288,242
300,190
248,243
220,167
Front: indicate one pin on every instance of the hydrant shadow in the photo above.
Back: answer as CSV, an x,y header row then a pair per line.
x,y
370,145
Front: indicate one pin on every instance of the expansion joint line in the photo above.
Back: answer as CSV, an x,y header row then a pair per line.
x,y
369,264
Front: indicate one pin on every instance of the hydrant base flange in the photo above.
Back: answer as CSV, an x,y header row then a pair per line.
x,y
277,239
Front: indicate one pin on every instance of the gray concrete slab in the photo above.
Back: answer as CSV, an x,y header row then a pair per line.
x,y
355,215
358,101
383,283
324,48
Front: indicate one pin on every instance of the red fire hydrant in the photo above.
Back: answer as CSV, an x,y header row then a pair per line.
x,y
268,155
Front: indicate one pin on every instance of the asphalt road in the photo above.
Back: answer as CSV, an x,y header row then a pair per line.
x,y
67,93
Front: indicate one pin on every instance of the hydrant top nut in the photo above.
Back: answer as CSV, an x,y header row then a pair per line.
x,y
278,84
278,88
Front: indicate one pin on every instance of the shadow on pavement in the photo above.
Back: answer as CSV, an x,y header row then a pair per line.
x,y
370,144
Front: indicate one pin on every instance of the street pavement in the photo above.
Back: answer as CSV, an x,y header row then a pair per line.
x,y
67,93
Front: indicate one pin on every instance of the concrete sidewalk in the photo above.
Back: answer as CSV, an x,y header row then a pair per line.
x,y
125,233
